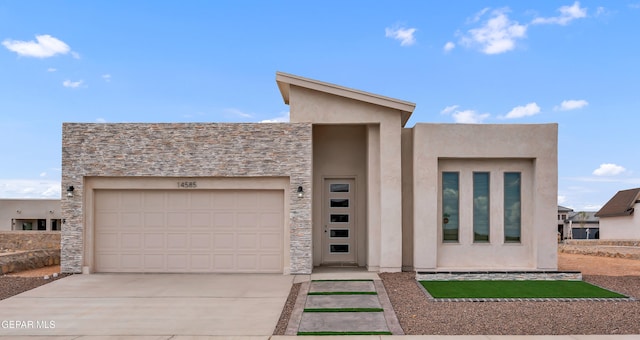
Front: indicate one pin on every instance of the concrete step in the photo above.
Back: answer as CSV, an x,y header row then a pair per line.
x,y
343,322
343,301
342,286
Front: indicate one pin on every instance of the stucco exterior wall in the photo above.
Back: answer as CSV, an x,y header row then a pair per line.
x,y
316,107
407,199
190,150
340,151
499,147
621,227
28,209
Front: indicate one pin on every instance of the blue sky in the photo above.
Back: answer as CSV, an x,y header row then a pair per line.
x,y
499,62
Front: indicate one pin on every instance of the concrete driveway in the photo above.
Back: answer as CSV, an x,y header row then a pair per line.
x,y
149,304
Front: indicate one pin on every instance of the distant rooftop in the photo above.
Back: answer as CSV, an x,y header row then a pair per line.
x,y
621,204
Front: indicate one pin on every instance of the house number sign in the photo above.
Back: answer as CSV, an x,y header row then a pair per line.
x,y
187,184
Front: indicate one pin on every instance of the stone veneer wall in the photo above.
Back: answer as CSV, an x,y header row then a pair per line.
x,y
29,240
187,150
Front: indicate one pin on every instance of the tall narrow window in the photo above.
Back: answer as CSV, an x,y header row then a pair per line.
x,y
512,209
480,207
450,206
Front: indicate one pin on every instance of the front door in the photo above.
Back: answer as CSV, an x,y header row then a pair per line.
x,y
339,234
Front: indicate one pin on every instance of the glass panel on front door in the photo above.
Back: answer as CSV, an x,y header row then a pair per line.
x,y
339,222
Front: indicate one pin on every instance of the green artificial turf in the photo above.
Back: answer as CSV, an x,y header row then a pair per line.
x,y
342,293
344,333
515,289
342,310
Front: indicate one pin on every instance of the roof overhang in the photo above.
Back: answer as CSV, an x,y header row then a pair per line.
x,y
285,81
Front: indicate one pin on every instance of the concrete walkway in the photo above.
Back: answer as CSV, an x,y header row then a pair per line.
x,y
324,294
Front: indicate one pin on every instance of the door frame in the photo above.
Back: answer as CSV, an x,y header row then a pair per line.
x,y
355,225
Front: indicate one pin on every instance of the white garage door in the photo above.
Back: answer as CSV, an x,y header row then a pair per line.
x,y
238,231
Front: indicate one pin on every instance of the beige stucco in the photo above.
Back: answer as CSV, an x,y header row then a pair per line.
x,y
621,227
320,103
15,211
530,149
339,152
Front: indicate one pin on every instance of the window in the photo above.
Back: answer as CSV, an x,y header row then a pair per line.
x,y
339,248
339,187
480,207
55,224
450,206
512,211
42,224
27,225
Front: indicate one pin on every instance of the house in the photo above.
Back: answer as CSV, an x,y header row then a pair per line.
x,y
563,214
583,225
345,183
618,217
30,214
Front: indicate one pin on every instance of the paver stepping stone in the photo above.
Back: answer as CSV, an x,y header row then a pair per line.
x,y
343,322
343,301
342,286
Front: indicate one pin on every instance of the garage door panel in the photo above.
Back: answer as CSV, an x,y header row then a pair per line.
x,y
201,241
154,220
130,240
270,241
247,242
177,241
201,220
131,201
154,262
247,219
189,231
224,241
270,220
154,241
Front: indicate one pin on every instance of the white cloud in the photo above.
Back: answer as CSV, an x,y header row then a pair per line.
x,y
101,120
447,110
497,35
405,35
567,14
469,117
609,169
75,55
523,111
72,84
478,16
449,46
571,104
45,46
283,118
27,188
237,112
43,174
635,6
51,69
106,77
592,207
562,199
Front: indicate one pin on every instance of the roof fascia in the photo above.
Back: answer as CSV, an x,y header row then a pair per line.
x,y
285,80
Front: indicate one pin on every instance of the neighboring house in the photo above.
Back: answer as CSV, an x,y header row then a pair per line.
x,y
583,225
30,214
563,215
618,217
343,184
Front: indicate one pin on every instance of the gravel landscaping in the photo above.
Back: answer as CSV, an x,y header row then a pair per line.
x,y
420,316
14,285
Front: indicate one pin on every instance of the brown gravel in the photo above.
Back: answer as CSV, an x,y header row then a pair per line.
x,y
281,327
16,283
418,315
